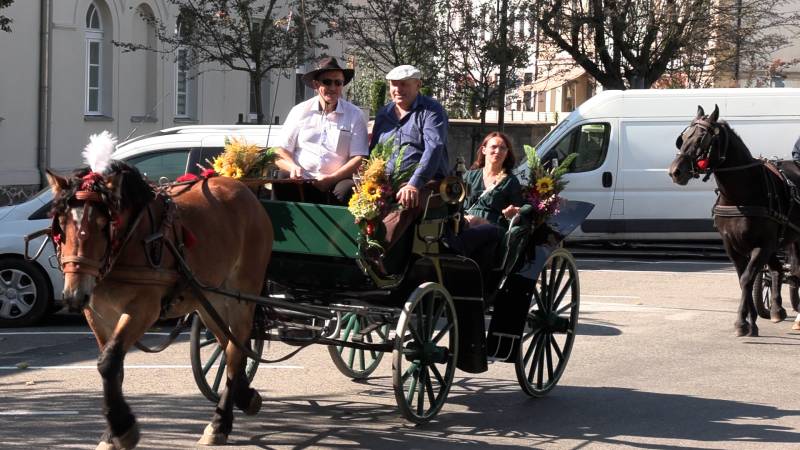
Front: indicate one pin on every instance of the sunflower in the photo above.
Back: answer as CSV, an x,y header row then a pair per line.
x,y
375,170
544,185
371,191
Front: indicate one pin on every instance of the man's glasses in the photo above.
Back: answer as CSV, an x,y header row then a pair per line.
x,y
328,82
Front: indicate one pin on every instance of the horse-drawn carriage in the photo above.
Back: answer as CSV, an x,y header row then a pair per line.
x,y
430,315
131,253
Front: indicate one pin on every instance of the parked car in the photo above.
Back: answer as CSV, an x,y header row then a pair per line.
x,y
29,290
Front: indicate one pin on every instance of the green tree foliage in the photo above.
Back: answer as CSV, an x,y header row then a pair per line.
x,y
377,96
252,36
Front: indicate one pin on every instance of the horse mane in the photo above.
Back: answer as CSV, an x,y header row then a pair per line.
x,y
733,136
136,192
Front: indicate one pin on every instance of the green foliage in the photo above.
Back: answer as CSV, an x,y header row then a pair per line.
x,y
537,170
377,96
426,91
384,151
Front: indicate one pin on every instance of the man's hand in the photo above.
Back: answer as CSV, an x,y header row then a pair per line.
x,y
510,211
296,172
324,182
408,196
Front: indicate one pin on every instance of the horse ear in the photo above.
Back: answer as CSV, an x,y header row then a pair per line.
x,y
700,112
679,141
57,183
714,115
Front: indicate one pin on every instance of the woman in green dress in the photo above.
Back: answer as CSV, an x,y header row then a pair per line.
x,y
495,194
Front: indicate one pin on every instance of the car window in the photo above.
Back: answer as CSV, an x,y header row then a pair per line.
x,y
169,164
208,154
589,141
591,145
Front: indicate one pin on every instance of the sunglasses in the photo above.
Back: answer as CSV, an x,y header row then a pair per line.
x,y
328,82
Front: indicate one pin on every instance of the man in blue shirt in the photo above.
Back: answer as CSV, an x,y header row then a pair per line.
x,y
419,123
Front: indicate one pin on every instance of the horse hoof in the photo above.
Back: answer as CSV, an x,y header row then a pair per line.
x,y
210,437
779,316
255,405
103,445
796,326
742,330
128,440
753,331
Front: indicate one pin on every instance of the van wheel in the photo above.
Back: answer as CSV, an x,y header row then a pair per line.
x,y
25,296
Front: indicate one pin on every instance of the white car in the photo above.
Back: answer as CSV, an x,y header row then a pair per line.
x,y
29,290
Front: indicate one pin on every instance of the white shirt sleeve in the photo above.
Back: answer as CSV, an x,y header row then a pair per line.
x,y
291,128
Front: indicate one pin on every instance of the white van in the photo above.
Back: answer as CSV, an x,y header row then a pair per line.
x,y
625,142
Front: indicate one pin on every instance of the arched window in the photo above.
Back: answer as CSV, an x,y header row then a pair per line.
x,y
94,61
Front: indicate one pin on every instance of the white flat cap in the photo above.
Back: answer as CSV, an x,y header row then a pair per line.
x,y
404,72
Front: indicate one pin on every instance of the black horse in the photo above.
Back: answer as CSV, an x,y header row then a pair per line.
x,y
755,211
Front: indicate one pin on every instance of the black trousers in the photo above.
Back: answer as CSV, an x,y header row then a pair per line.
x,y
306,192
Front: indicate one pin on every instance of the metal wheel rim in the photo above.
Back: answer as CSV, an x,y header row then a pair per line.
x,y
421,383
18,294
208,361
357,363
549,331
762,293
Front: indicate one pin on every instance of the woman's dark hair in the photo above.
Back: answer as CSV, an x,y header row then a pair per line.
x,y
508,163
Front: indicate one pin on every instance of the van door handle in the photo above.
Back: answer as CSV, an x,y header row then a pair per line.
x,y
607,179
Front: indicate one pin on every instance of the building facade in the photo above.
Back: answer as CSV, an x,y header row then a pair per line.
x,y
62,79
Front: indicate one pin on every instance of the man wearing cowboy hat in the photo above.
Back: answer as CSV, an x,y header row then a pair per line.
x,y
324,138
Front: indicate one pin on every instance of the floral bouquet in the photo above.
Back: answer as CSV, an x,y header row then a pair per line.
x,y
242,160
545,185
374,192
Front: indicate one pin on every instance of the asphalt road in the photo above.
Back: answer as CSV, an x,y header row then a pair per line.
x,y
655,365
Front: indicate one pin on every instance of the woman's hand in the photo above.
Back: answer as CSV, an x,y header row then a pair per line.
x,y
510,211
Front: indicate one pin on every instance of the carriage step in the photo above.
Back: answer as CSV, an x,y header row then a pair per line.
x,y
359,336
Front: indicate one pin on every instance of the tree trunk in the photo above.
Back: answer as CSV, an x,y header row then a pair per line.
x,y
256,80
501,99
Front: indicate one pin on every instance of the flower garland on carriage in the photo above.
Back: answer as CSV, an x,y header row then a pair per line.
x,y
544,184
244,161
374,195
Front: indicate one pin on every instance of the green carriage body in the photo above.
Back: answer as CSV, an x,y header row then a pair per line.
x,y
315,246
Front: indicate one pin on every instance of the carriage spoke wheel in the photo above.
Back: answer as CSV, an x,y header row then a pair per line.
x,y
762,293
357,363
425,352
208,359
550,326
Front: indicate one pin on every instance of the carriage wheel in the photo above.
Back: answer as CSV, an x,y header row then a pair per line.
x,y
425,352
550,327
208,359
356,363
762,293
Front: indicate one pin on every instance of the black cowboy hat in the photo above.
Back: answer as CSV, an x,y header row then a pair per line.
x,y
325,65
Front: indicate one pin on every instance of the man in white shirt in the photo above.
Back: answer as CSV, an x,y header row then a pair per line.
x,y
325,138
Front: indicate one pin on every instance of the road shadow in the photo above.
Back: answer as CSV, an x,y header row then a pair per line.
x,y
478,410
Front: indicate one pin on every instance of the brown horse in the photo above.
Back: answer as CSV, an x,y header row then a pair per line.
x,y
114,232
755,213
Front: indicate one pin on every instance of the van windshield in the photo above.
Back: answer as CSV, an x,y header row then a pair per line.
x,y
549,136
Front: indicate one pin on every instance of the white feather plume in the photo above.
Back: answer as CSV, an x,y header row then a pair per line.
x,y
97,153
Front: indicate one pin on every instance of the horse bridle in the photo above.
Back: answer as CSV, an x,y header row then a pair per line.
x,y
80,263
715,137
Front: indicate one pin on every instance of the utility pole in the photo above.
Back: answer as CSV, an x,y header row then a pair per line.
x,y
737,62
502,8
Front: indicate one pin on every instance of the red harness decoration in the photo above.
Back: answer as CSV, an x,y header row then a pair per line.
x,y
89,180
205,174
702,164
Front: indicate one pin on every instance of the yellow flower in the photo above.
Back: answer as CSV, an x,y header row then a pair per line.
x,y
544,185
376,170
371,191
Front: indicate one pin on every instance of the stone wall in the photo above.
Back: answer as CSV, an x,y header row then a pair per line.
x,y
464,137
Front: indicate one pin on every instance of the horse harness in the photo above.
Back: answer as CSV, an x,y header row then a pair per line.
x,y
776,210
